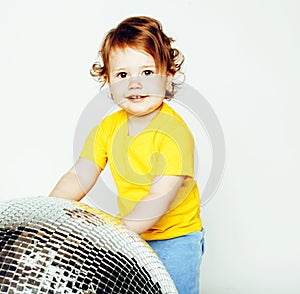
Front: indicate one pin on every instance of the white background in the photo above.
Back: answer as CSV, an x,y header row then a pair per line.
x,y
243,56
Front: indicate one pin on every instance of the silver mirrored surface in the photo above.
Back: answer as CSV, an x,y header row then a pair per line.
x,y
51,245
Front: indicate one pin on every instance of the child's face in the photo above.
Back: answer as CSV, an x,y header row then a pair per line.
x,y
134,81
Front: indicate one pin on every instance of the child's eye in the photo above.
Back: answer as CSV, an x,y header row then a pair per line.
x,y
122,75
148,72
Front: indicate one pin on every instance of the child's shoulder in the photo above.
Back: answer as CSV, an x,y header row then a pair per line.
x,y
172,115
110,122
114,118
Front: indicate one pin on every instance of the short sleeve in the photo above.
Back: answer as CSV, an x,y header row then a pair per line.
x,y
95,147
176,153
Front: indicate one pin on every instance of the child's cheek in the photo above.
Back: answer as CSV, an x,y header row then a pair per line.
x,y
155,85
119,89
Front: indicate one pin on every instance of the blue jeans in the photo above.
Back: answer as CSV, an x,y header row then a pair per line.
x,y
182,257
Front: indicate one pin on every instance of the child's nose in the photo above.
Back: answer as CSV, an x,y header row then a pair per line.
x,y
135,83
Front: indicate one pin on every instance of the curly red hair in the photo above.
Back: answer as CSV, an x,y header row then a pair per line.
x,y
139,33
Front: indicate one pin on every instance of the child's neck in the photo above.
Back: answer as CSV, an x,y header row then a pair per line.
x,y
137,124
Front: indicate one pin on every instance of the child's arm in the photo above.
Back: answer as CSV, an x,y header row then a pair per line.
x,y
147,212
75,184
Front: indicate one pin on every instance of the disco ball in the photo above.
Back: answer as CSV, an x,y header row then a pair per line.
x,y
52,245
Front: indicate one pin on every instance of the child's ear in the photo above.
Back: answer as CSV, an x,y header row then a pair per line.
x,y
169,86
169,81
106,78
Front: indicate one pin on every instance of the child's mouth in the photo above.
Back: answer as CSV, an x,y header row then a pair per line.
x,y
136,98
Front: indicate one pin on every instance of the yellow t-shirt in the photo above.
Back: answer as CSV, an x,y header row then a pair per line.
x,y
164,147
